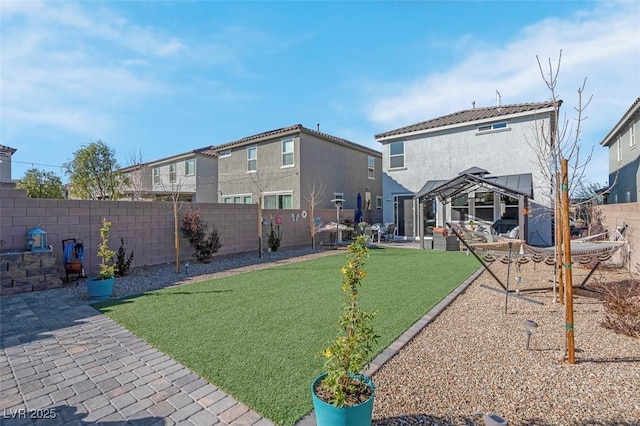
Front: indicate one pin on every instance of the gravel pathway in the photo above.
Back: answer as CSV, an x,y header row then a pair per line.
x,y
471,360
147,278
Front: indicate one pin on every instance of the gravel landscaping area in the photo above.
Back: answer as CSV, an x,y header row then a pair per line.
x,y
148,278
471,360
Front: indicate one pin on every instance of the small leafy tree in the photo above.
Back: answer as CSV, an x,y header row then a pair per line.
x,y
195,230
93,173
41,184
106,255
349,353
123,262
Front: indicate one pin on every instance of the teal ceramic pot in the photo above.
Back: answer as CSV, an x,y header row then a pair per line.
x,y
329,415
100,289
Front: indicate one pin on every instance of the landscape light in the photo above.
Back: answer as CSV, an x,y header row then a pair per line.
x,y
531,327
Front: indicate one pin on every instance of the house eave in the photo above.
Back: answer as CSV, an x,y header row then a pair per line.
x,y
633,109
464,124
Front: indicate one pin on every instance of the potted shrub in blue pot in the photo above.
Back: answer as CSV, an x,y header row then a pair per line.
x,y
100,287
342,396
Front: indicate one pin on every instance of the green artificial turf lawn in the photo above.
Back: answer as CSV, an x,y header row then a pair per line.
x,y
258,335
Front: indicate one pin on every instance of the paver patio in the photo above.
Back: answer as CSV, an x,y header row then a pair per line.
x,y
61,358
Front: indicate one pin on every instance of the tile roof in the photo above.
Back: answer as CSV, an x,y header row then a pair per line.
x,y
469,115
296,128
7,148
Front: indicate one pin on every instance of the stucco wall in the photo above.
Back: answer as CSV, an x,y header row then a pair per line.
x,y
146,227
615,215
442,155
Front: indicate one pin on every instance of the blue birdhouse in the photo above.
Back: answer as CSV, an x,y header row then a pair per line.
x,y
37,240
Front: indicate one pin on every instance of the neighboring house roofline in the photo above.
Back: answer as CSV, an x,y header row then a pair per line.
x,y
203,151
635,106
292,130
7,148
465,117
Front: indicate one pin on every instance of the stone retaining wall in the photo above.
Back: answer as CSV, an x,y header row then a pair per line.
x,y
28,271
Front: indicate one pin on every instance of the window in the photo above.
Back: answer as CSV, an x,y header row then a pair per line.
x,y
190,167
494,126
287,152
619,149
227,200
460,208
508,207
627,196
378,202
247,199
484,206
632,137
226,153
396,154
371,168
172,173
156,175
252,159
278,201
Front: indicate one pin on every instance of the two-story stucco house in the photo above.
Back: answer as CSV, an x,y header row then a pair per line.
x,y
191,176
280,167
5,165
624,157
496,140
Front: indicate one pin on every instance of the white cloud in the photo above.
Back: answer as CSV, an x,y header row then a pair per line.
x,y
603,45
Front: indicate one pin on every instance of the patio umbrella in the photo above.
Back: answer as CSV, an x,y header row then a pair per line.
x,y
359,208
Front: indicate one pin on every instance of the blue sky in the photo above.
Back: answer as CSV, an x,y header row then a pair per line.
x,y
158,78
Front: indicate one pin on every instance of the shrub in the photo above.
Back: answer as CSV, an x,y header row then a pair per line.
x,y
195,231
106,269
274,238
123,262
622,308
349,353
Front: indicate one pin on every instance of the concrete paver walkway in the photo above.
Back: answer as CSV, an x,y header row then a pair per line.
x,y
64,363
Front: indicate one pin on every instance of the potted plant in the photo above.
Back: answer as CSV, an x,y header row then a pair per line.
x,y
101,287
342,395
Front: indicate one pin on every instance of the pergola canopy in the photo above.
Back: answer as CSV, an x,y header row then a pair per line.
x,y
512,185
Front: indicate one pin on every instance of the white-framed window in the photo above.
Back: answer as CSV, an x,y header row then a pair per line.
x,y
396,155
371,167
494,126
627,196
619,149
632,137
237,199
378,202
172,173
287,152
278,201
252,158
156,175
190,167
224,154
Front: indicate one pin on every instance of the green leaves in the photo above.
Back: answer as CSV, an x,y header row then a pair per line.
x,y
41,184
350,352
106,255
93,173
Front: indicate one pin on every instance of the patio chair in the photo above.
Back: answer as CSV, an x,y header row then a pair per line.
x,y
387,231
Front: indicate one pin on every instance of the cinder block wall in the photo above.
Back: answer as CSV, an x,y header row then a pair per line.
x,y
146,227
629,214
